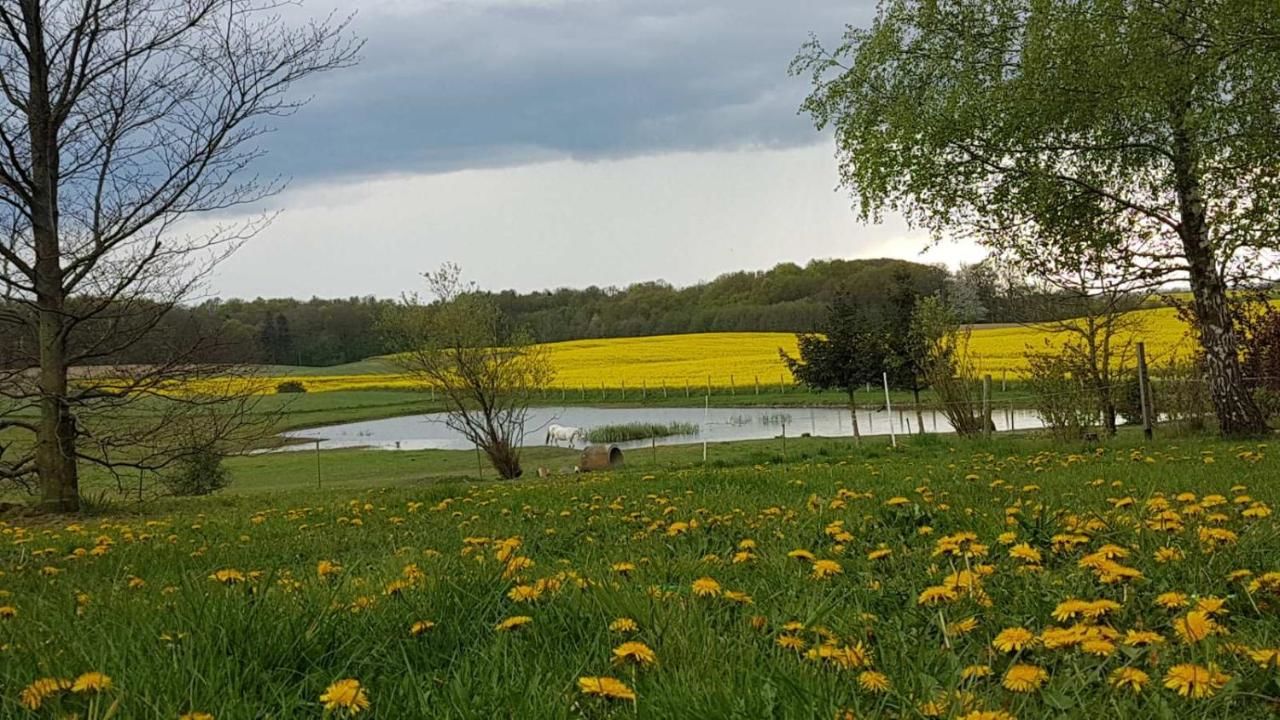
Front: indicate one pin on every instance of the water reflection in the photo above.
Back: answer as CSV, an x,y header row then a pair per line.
x,y
422,432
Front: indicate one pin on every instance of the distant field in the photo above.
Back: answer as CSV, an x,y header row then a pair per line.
x,y
721,360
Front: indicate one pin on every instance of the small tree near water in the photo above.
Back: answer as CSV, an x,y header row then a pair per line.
x,y
848,353
486,371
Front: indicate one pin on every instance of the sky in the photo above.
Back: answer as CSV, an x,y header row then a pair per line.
x,y
550,143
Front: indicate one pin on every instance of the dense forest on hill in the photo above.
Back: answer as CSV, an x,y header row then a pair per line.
x,y
320,332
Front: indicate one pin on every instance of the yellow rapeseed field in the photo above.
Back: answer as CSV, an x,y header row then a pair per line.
x,y
740,359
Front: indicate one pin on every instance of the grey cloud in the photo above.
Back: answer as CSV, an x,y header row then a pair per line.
x,y
479,83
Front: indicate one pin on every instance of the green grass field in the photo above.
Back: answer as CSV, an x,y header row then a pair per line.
x,y
938,580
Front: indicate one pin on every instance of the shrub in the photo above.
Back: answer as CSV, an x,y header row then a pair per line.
x,y
1062,401
1181,395
290,386
200,473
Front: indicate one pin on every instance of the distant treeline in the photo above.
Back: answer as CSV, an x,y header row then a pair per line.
x,y
322,332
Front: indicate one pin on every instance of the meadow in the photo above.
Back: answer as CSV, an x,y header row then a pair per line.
x,y
983,581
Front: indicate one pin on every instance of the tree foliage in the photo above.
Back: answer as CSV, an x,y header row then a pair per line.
x,y
1057,126
850,351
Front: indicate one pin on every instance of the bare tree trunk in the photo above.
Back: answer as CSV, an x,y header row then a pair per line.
x,y
1238,414
919,412
56,436
505,459
853,417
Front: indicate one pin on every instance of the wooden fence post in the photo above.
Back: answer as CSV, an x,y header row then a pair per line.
x,y
986,406
1144,391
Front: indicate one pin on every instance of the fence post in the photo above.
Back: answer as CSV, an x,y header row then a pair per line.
x,y
708,386
664,388
686,387
624,389
733,387
1144,391
584,391
757,384
782,385
644,389
986,406
888,406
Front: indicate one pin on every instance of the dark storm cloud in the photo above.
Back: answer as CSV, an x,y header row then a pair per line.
x,y
478,83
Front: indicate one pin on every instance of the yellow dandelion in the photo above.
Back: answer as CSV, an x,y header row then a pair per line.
x,y
91,682
624,625
34,695
1196,626
636,652
1128,678
873,681
791,642
420,627
1024,678
606,687
524,593
823,569
1195,681
1013,639
975,672
513,623
346,695
706,587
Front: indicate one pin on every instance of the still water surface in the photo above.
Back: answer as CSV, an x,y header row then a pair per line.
x,y
423,432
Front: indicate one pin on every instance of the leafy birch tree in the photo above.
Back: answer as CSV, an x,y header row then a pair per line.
x,y
1047,126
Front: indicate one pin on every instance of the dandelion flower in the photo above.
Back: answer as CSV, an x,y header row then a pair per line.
x,y
524,593
624,625
1013,639
975,672
1024,678
1196,626
513,623
34,695
326,569
345,695
706,587
8,612
1195,681
194,715
91,682
873,681
1139,638
229,576
1128,678
791,642
937,594
636,652
823,569
420,627
606,687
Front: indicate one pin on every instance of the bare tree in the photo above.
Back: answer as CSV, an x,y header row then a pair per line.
x,y
1096,293
119,119
487,371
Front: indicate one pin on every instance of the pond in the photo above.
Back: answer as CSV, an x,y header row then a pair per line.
x,y
423,432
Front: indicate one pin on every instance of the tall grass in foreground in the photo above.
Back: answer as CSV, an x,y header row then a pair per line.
x,y
627,432
954,580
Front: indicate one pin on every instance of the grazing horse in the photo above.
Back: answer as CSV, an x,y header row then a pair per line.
x,y
557,433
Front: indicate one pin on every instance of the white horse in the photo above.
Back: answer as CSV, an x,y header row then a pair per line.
x,y
558,433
